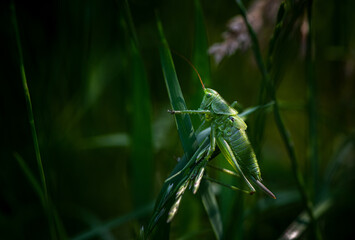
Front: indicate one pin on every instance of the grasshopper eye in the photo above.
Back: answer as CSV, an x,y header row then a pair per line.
x,y
208,95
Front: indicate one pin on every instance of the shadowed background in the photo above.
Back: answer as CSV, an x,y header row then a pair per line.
x,y
107,143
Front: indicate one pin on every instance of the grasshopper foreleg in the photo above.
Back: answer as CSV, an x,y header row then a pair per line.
x,y
189,111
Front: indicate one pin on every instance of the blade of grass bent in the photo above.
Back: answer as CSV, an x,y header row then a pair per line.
x,y
186,133
183,122
185,130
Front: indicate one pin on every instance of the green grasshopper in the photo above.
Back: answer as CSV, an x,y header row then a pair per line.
x,y
221,126
228,133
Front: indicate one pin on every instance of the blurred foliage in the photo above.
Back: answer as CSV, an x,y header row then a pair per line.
x,y
107,143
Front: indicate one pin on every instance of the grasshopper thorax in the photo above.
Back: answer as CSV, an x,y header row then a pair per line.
x,y
216,104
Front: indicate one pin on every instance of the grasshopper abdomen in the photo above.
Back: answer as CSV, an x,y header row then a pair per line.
x,y
241,147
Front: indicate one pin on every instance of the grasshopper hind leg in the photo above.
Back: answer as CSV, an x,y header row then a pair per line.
x,y
229,155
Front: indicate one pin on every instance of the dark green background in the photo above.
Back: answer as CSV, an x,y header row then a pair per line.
x,y
79,67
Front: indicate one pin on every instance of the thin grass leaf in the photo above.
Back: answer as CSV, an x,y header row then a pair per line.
x,y
32,124
30,176
29,105
38,190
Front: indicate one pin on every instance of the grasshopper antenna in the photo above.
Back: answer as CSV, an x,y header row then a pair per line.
x,y
188,61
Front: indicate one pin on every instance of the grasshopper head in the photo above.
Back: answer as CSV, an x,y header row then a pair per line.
x,y
210,96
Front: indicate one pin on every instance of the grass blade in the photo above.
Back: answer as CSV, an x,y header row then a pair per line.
x,y
183,122
190,145
29,105
30,176
48,209
38,190
186,134
187,138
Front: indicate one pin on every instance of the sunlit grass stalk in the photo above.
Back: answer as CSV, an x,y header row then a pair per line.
x,y
32,124
278,119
